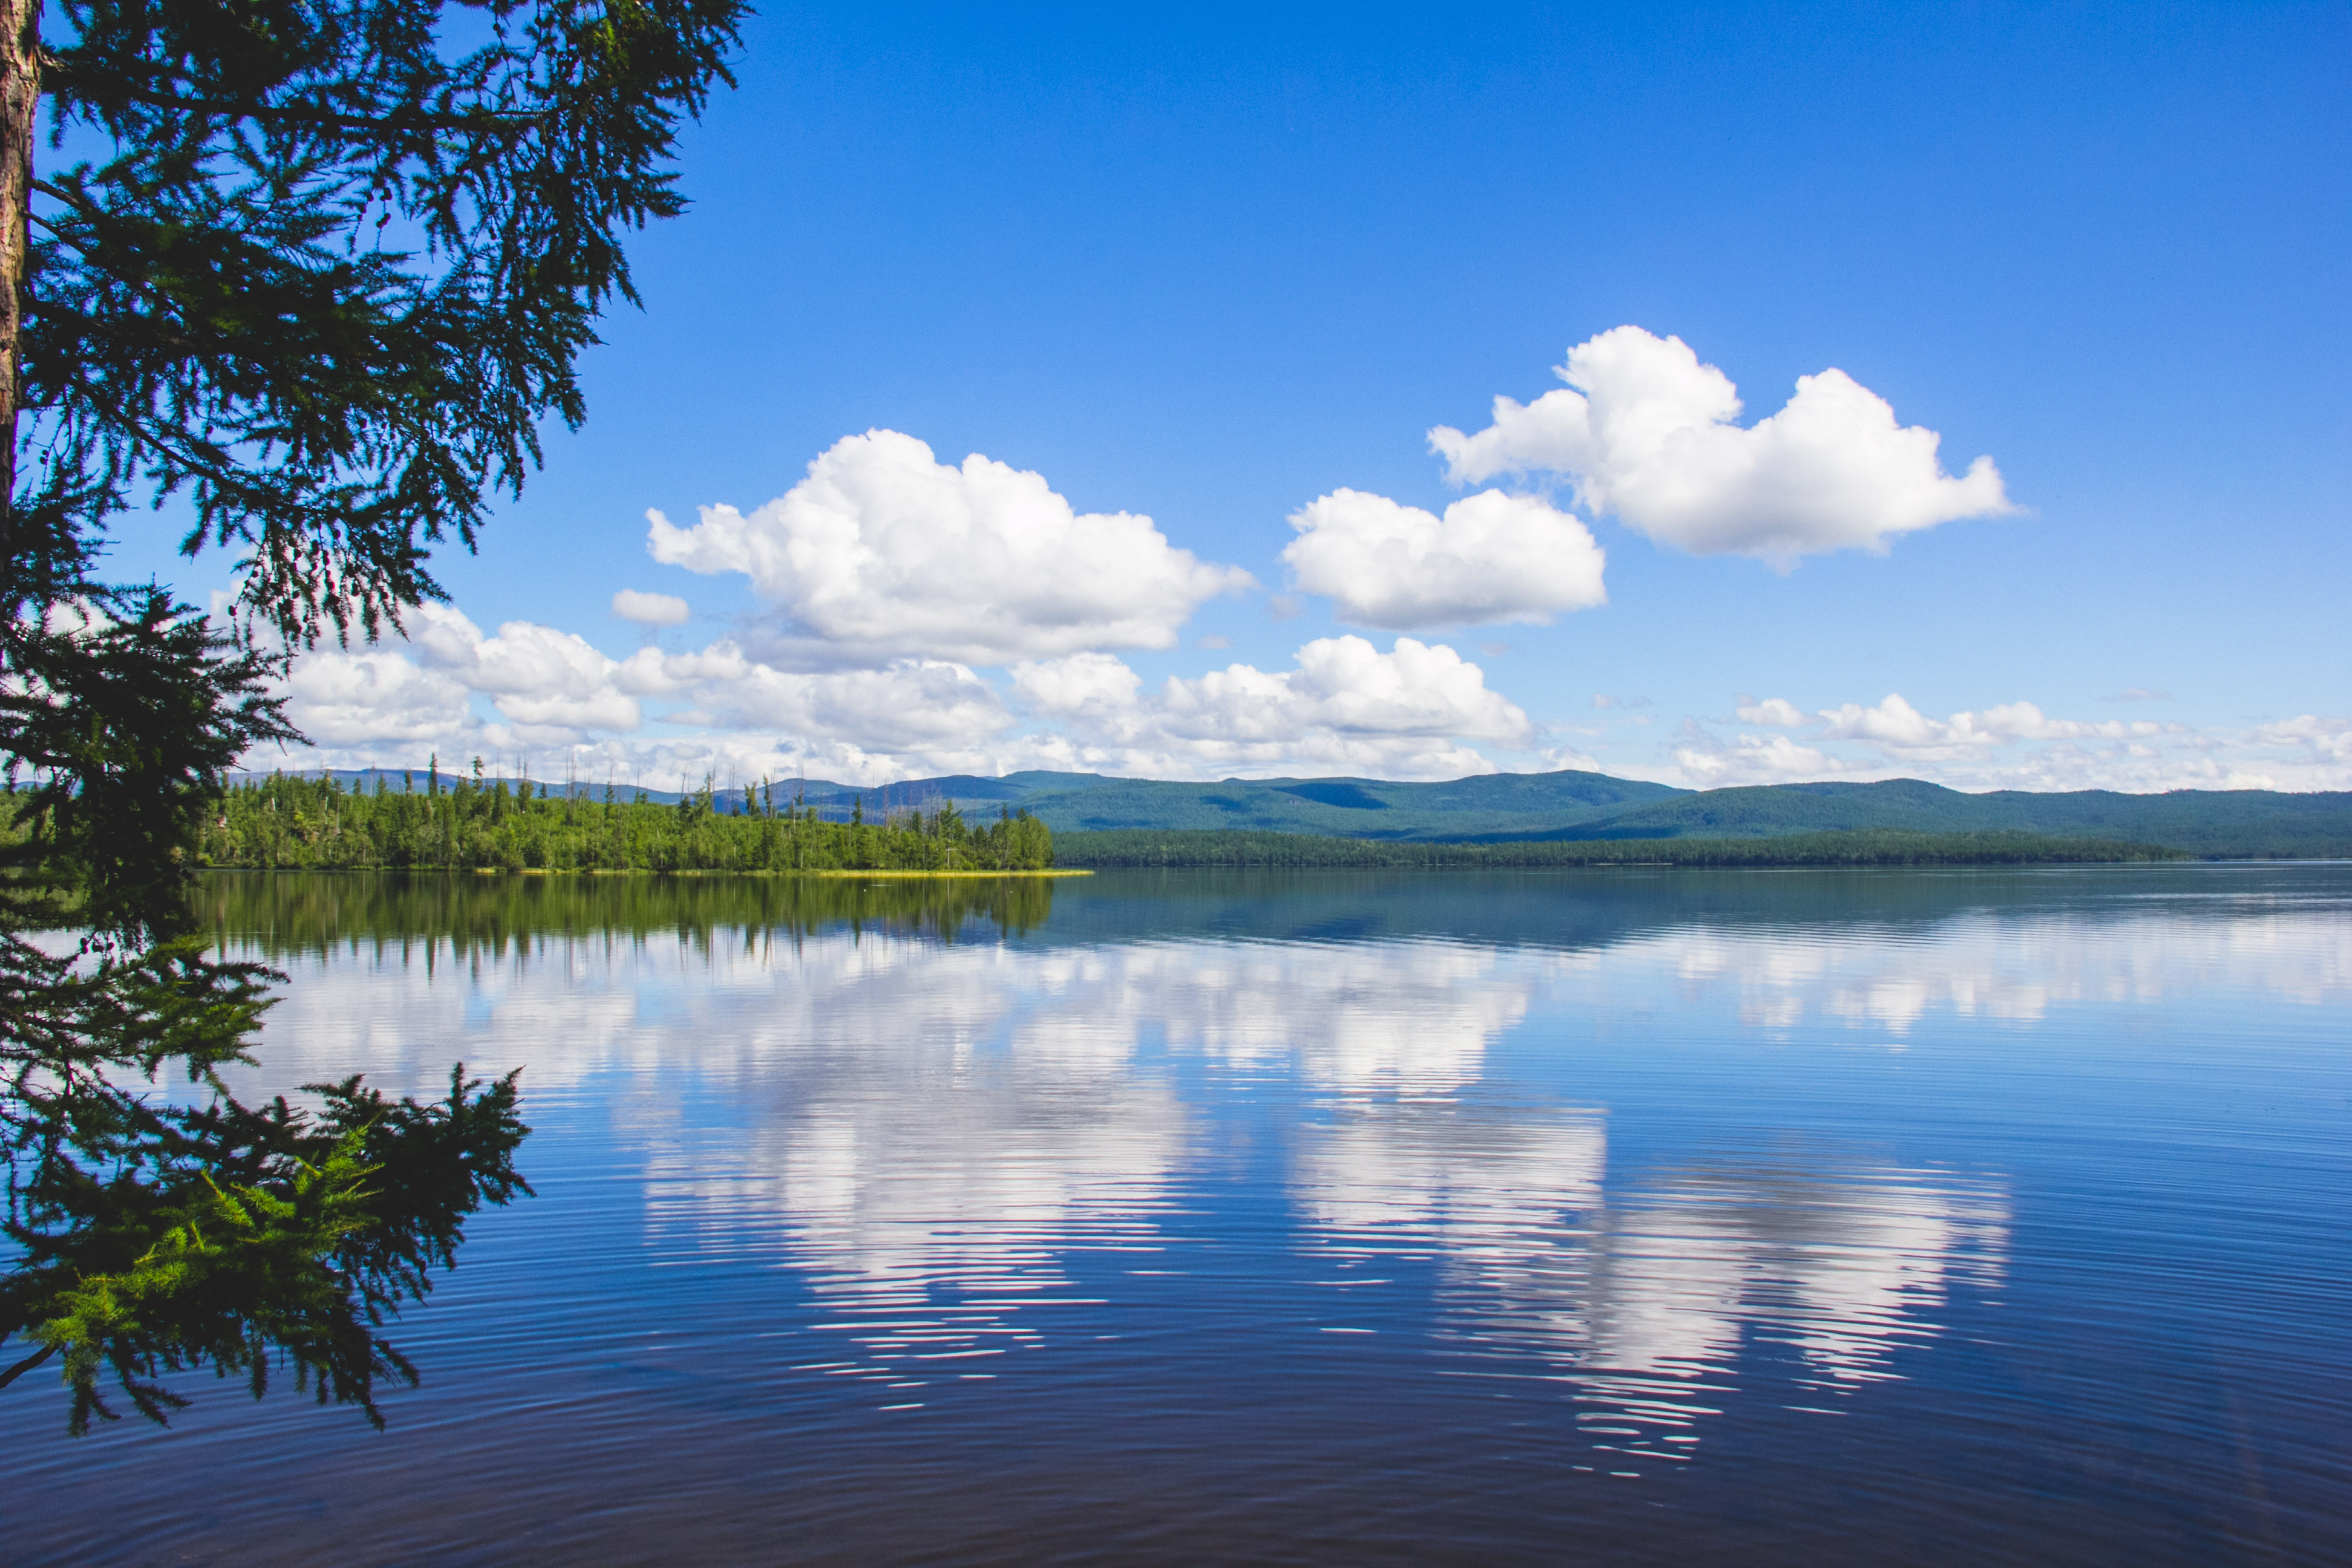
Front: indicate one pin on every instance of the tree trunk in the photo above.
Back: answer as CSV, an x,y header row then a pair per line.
x,y
20,104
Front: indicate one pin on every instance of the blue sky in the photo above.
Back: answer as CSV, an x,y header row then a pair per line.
x,y
1210,267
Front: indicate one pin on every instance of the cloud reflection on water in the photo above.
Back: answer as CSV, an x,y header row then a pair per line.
x,y
950,1129
2006,970
938,1138
1647,1298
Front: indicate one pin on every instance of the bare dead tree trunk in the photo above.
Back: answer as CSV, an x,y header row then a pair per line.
x,y
20,103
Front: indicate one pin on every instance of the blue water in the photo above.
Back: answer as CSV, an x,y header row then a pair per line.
x,y
1613,1217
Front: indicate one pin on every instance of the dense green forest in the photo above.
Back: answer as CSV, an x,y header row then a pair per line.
x,y
284,823
1143,847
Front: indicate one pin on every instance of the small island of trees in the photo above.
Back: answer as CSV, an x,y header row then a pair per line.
x,y
289,822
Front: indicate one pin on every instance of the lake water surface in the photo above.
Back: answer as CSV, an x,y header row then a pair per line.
x,y
1611,1217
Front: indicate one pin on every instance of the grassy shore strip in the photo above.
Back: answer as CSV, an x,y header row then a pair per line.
x,y
1145,847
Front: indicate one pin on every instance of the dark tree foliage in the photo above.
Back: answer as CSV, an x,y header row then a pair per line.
x,y
337,263
318,270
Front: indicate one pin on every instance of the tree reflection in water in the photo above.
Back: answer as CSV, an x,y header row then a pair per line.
x,y
491,916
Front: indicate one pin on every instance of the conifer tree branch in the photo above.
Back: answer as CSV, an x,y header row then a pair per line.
x,y
27,1365
404,119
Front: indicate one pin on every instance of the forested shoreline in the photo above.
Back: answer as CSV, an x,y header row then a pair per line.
x,y
289,822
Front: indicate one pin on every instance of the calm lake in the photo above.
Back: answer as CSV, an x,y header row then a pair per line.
x,y
1635,1217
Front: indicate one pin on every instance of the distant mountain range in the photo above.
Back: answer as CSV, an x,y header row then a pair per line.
x,y
1494,809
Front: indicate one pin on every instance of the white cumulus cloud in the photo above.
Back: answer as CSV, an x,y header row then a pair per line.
x,y
1492,557
1345,705
915,707
1645,432
1099,689
1896,725
1705,761
415,692
651,609
882,552
2008,746
1414,711
1411,712
534,675
2325,738
1777,711
1346,684
344,699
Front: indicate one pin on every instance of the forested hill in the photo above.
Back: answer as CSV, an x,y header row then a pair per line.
x,y
1575,807
2211,822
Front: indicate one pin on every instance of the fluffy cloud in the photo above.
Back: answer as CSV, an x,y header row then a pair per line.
x,y
551,687
1345,684
377,696
1644,432
534,675
1345,705
882,552
1705,761
1896,725
1412,712
1774,711
2326,740
2300,754
1492,557
2014,745
1566,756
651,609
1096,689
1416,710
913,707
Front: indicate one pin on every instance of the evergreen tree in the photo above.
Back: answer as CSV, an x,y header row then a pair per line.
x,y
318,269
